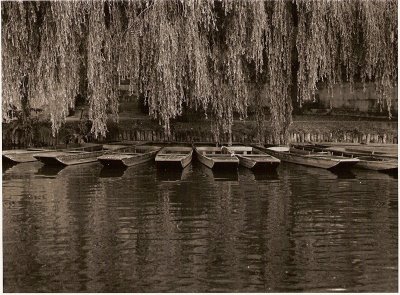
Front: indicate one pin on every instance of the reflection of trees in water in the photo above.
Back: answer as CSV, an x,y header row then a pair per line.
x,y
139,232
264,241
20,230
80,232
44,230
120,238
276,229
373,223
66,229
78,187
225,223
285,236
337,235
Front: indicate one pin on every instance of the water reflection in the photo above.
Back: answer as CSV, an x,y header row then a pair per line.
x,y
150,231
258,174
21,169
7,165
345,174
219,175
172,174
107,171
49,170
393,173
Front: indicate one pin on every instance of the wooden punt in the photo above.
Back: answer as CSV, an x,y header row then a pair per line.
x,y
27,155
371,161
217,158
174,157
378,164
75,156
381,150
129,156
253,158
314,159
22,156
349,152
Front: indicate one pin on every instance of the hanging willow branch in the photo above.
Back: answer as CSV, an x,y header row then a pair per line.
x,y
196,53
103,47
279,44
357,36
55,82
379,31
18,51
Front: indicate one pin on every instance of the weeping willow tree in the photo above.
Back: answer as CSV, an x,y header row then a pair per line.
x,y
341,41
202,54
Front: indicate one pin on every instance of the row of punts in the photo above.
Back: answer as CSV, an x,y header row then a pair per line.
x,y
216,158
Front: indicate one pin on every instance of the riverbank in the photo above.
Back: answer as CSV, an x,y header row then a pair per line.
x,y
305,128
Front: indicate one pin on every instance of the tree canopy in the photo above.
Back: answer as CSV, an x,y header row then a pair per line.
x,y
199,53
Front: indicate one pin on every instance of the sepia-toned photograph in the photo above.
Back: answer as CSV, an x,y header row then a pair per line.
x,y
199,146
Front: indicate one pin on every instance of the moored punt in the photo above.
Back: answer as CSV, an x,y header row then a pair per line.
x,y
72,156
388,151
378,164
174,157
371,161
129,156
314,159
253,158
217,157
22,156
27,155
371,149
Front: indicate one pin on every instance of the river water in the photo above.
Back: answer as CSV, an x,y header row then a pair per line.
x,y
86,229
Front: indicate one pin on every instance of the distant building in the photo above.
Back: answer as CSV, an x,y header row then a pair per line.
x,y
356,100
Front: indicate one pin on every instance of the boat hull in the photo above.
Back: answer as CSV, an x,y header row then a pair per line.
x,y
253,158
186,161
126,160
369,162
388,151
319,161
372,163
21,156
112,163
48,160
67,159
217,161
258,163
175,164
174,157
205,161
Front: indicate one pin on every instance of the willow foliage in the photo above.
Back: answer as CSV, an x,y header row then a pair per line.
x,y
347,40
279,44
55,80
201,54
19,50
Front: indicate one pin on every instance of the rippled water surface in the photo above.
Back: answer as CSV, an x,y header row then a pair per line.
x,y
84,228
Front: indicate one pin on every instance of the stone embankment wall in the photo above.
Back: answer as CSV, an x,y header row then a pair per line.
x,y
308,131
